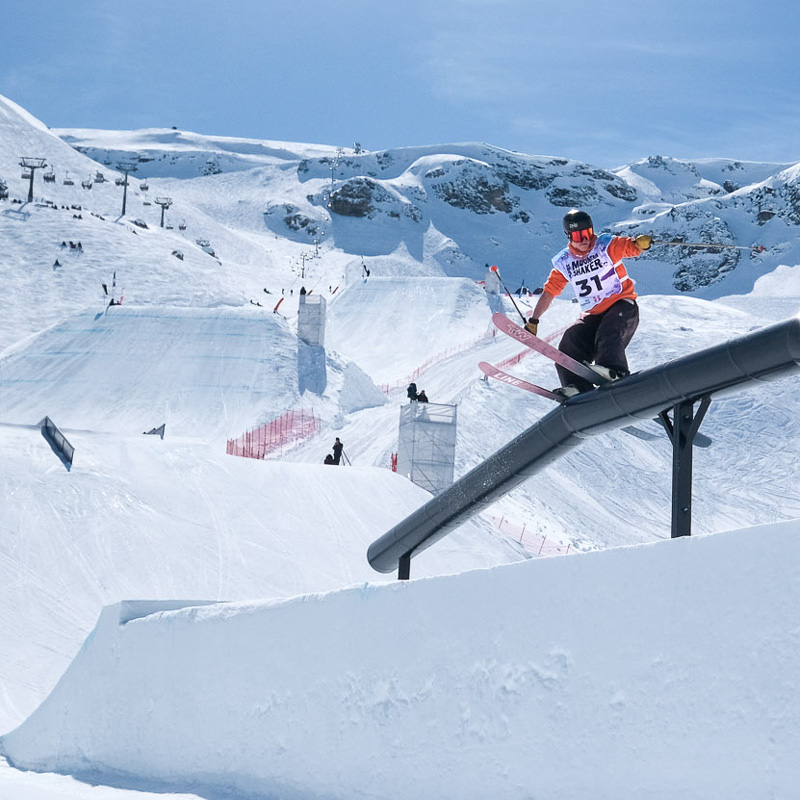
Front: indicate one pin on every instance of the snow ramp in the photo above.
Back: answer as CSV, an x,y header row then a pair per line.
x,y
394,313
644,671
200,371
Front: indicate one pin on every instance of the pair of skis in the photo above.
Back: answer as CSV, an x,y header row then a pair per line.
x,y
504,324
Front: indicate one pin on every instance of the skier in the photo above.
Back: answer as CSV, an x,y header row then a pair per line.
x,y
610,315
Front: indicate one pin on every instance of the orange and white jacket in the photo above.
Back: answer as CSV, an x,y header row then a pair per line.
x,y
599,277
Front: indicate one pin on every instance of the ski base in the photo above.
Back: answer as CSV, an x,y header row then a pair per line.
x,y
504,324
512,380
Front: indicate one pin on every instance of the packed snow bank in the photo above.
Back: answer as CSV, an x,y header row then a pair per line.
x,y
620,673
140,517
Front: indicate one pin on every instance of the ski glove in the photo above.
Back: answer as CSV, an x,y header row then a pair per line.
x,y
643,242
532,326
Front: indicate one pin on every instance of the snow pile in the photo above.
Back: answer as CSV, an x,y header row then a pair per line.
x,y
646,671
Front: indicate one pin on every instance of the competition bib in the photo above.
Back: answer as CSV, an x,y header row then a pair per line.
x,y
593,276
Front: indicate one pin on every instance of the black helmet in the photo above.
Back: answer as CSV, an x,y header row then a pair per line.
x,y
577,221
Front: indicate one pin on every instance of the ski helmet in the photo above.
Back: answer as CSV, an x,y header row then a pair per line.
x,y
576,220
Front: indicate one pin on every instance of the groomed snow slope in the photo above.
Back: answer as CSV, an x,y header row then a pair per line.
x,y
625,673
140,517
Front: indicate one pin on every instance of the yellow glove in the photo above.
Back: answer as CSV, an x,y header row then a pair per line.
x,y
643,242
532,326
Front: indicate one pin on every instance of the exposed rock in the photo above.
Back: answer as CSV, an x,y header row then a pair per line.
x,y
354,198
526,177
580,196
473,187
621,190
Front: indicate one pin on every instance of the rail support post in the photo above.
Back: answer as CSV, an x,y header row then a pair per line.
x,y
404,567
682,429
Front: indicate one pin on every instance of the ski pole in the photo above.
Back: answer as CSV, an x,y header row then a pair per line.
x,y
511,297
759,248
346,459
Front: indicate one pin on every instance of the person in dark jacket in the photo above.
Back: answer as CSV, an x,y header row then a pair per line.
x,y
337,451
329,459
422,397
411,392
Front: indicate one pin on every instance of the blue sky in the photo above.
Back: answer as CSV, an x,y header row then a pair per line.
x,y
606,83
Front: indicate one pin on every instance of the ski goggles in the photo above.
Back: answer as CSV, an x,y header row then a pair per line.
x,y
578,236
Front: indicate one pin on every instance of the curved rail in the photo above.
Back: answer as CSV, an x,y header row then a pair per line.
x,y
764,355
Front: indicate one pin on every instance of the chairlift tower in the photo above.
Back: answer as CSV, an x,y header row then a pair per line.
x,y
165,203
335,163
125,167
31,164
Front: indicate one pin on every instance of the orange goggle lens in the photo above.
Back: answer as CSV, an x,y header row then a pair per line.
x,y
578,236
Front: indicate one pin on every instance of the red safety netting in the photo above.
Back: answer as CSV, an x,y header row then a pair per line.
x,y
273,436
388,388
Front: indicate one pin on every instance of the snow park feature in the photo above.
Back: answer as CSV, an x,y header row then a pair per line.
x,y
180,622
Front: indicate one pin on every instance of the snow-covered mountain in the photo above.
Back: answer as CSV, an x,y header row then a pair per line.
x,y
457,207
260,207
468,675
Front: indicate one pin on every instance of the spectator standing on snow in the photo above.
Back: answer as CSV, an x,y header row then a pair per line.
x,y
337,451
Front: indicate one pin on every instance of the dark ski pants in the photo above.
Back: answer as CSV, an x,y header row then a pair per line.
x,y
599,339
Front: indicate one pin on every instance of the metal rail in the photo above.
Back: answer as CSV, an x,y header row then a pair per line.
x,y
764,355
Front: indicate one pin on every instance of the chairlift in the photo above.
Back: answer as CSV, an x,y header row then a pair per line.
x,y
26,176
99,177
146,203
182,225
49,176
87,184
119,181
144,187
68,181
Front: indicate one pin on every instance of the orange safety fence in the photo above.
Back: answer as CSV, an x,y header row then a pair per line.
x,y
273,436
388,388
